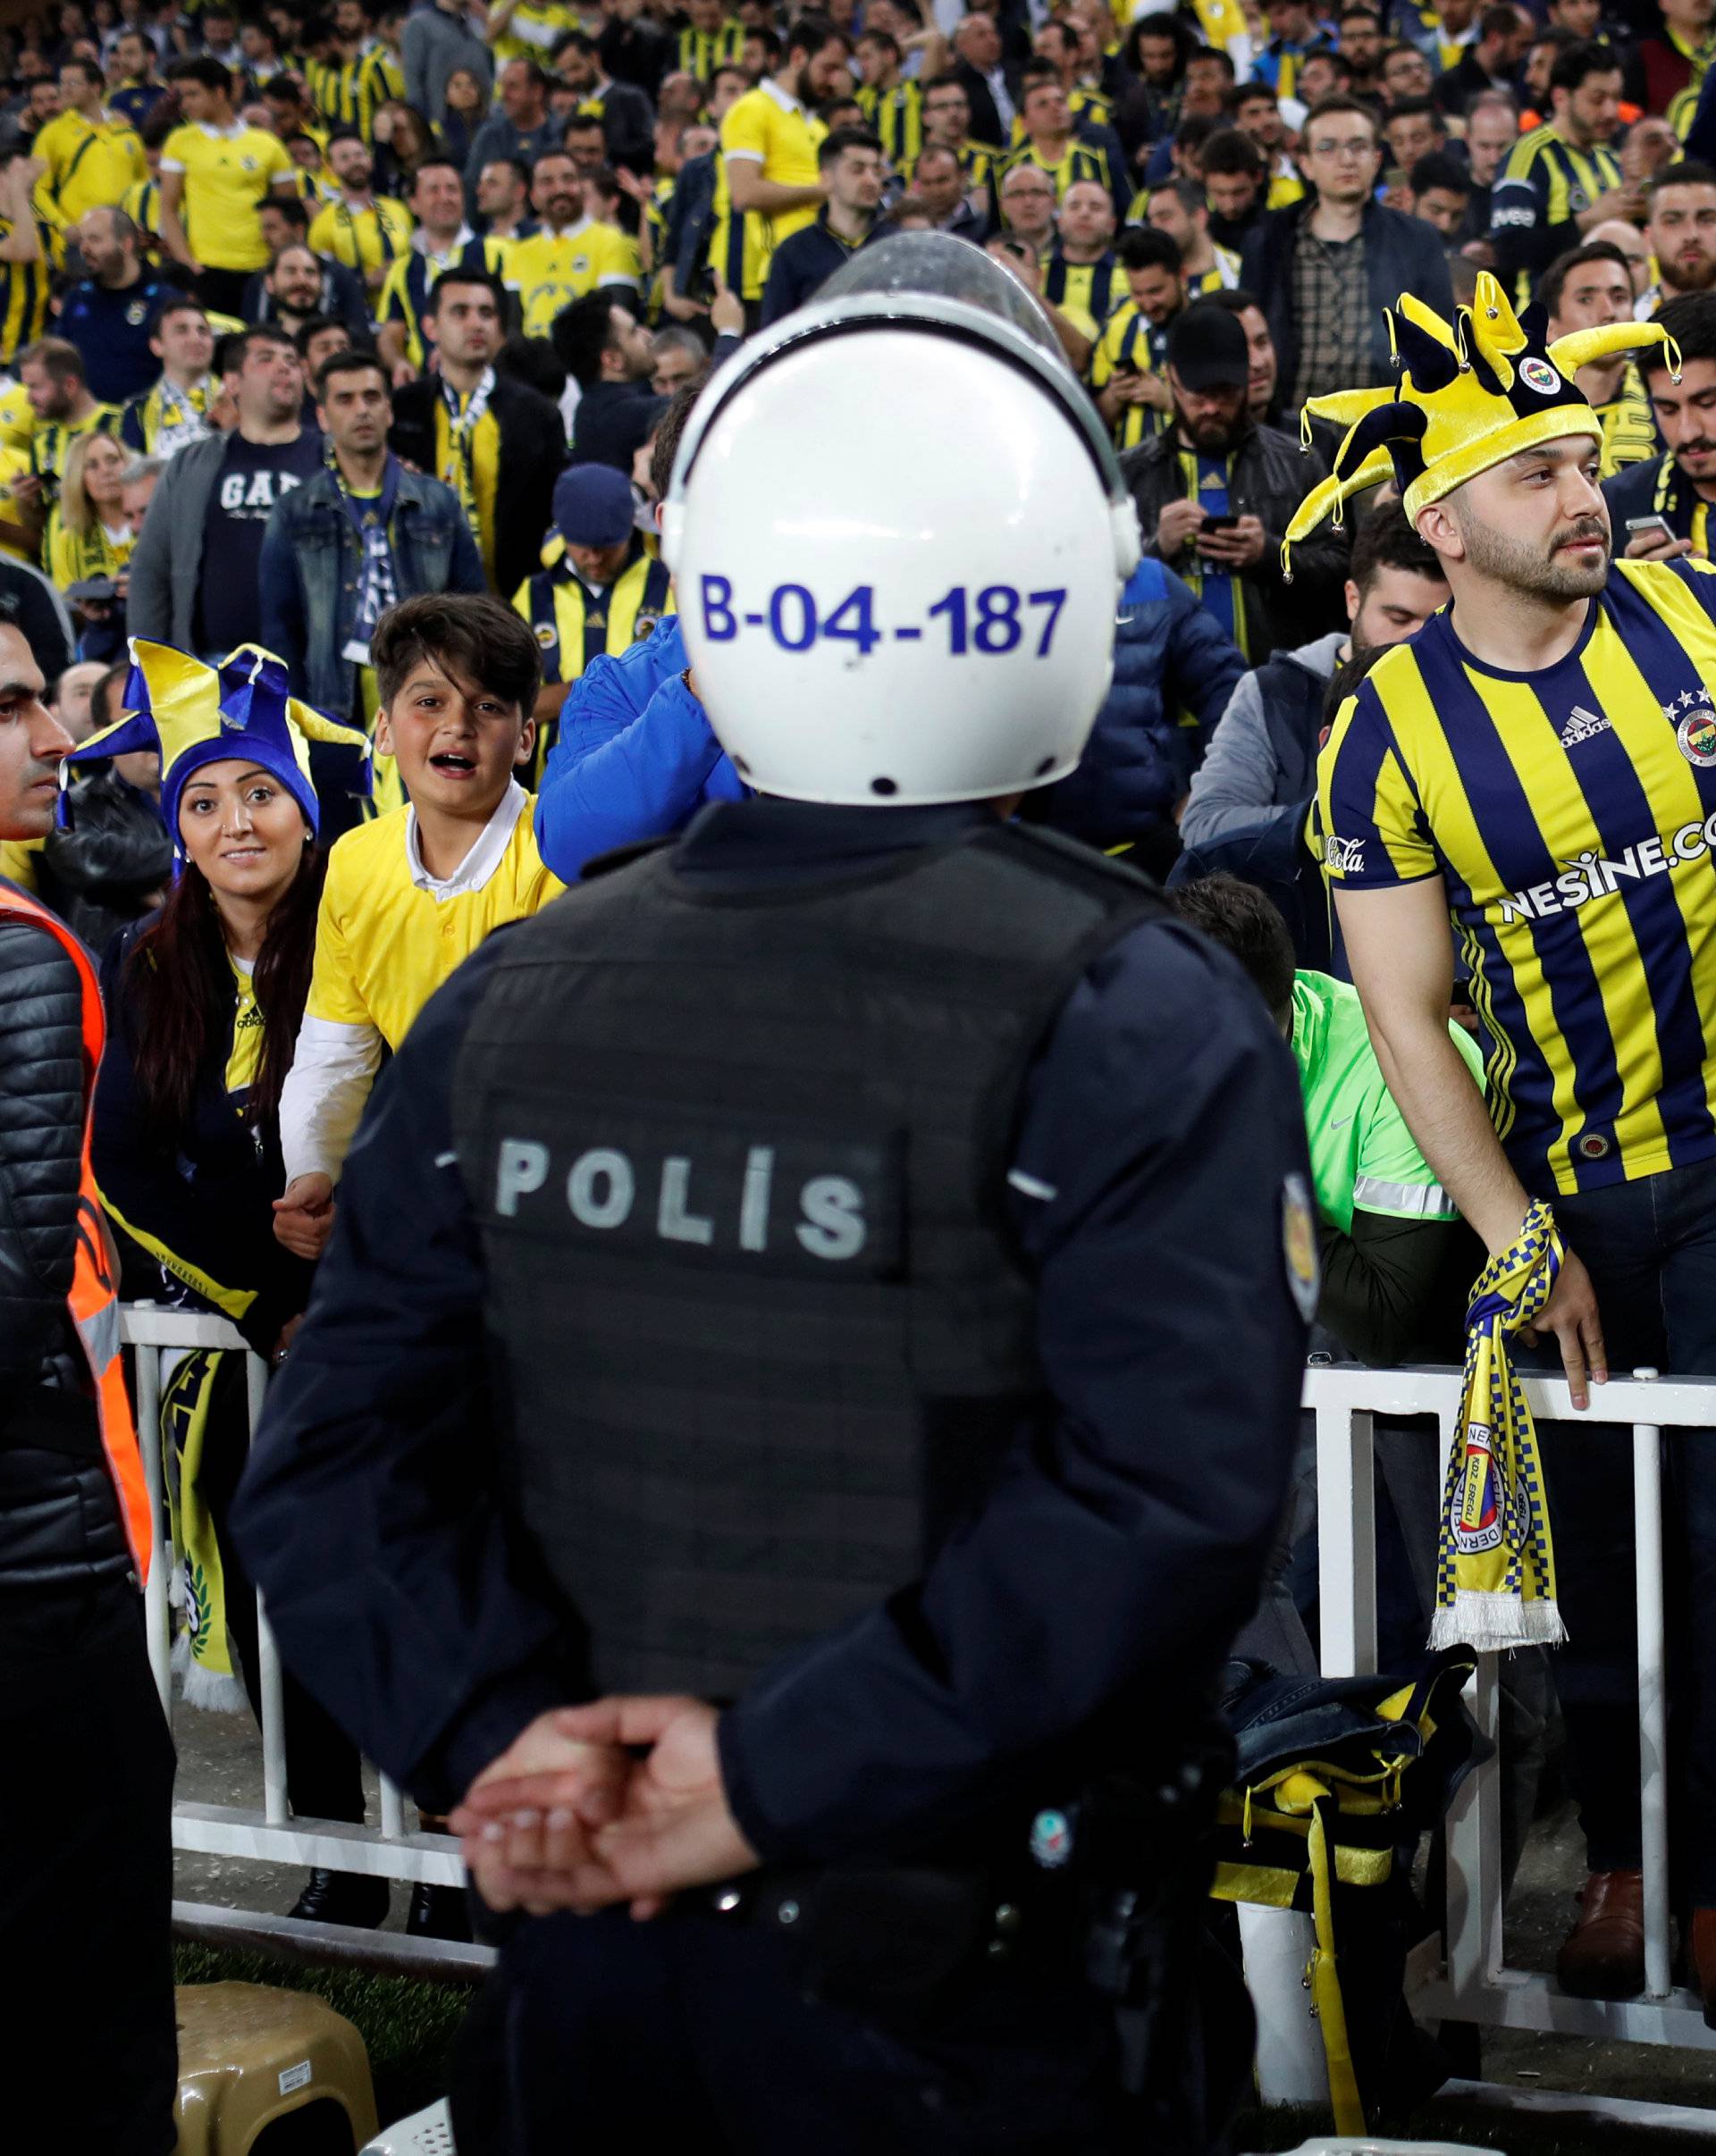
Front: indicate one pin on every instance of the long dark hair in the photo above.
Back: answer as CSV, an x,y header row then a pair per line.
x,y
179,984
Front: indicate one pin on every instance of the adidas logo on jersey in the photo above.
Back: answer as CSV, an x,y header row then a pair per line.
x,y
1581,725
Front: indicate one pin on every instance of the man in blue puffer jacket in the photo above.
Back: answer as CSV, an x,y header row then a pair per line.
x,y
635,759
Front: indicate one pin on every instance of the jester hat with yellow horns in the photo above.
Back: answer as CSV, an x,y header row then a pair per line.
x,y
1468,397
195,715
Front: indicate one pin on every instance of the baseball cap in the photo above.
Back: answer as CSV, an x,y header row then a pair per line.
x,y
1206,349
593,505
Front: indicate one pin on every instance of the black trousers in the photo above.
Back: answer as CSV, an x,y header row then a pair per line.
x,y
1650,1246
224,290
86,1883
685,2033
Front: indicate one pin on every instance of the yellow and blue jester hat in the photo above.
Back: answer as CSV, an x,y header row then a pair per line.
x,y
1469,395
195,714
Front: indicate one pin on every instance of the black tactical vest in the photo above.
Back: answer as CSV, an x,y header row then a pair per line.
x,y
739,1161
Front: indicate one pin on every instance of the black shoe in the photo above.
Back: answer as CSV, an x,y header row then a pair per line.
x,y
351,1898
439,1912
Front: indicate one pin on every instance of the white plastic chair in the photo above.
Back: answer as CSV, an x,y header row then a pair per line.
x,y
1365,2146
426,2133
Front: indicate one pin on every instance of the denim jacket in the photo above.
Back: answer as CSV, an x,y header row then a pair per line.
x,y
308,577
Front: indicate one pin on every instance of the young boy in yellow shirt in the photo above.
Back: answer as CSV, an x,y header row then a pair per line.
x,y
410,895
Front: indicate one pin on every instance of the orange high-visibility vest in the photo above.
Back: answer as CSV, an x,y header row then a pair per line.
x,y
94,1299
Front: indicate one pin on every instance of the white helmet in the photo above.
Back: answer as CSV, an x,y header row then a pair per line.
x,y
898,535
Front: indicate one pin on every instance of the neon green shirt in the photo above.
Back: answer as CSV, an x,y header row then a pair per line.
x,y
1363,1156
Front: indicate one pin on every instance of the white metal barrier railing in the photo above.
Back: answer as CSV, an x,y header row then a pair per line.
x,y
272,1834
1476,1984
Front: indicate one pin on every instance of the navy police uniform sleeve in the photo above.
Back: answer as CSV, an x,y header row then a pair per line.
x,y
1159,1185
368,1514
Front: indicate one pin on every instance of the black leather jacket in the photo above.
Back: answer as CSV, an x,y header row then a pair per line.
x,y
59,1520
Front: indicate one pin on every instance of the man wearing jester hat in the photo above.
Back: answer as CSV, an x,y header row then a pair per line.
x,y
1538,765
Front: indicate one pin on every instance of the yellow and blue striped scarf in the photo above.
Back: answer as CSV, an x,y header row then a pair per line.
x,y
1495,1562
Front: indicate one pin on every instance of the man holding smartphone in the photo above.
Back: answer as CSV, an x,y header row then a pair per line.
x,y
1215,491
1660,509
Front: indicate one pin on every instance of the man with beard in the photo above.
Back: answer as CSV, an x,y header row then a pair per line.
x,y
364,231
1214,491
1669,498
569,253
1682,234
767,183
1538,764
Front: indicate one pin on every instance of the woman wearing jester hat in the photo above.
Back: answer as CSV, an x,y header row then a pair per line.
x,y
204,1000
1539,765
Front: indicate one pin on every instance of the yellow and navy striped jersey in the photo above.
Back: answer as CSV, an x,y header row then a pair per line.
x,y
1128,341
365,240
1545,185
141,203
535,30
897,117
405,292
1223,276
1085,292
701,51
1629,431
574,625
51,441
346,95
1682,105
24,289
1090,106
73,557
1080,160
1571,814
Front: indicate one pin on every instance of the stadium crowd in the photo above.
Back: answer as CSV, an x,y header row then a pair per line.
x,y
310,319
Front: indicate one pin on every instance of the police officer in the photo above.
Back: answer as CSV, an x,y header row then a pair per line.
x,y
829,1294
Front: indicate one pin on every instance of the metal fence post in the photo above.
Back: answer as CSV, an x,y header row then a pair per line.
x,y
274,1709
1652,1699
156,1623
1346,1528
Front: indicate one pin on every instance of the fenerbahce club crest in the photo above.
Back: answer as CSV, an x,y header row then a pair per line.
x,y
1486,1507
1695,726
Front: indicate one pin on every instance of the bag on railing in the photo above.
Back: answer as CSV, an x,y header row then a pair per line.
x,y
1334,1775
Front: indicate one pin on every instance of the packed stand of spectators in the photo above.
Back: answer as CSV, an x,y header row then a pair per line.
x,y
311,316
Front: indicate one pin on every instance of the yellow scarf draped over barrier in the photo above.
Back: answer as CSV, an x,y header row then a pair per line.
x,y
1495,1562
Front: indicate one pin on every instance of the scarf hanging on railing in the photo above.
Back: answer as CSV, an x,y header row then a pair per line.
x,y
1495,1564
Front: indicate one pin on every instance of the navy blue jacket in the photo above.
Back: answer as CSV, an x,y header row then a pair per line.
x,y
1174,671
801,262
636,757
1401,254
1656,487
112,331
1120,1550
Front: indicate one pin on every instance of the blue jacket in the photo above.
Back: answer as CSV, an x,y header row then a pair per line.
x,y
308,582
635,759
1174,671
